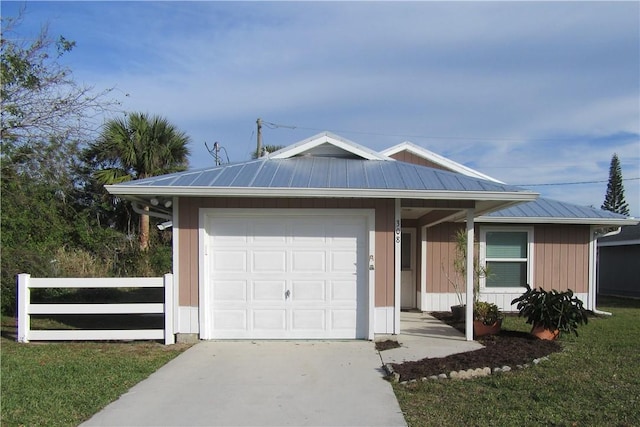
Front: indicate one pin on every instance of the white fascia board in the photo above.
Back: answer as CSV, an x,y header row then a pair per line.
x,y
436,158
327,138
556,220
358,193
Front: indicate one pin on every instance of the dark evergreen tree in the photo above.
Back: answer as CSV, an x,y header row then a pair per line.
x,y
614,199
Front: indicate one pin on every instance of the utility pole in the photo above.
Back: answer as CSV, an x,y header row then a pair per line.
x,y
259,145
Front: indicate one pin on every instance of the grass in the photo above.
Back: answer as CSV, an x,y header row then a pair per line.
x,y
64,384
594,381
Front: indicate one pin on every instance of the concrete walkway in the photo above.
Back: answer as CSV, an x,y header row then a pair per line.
x,y
422,335
262,383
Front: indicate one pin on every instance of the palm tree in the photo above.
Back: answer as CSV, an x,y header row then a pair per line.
x,y
135,147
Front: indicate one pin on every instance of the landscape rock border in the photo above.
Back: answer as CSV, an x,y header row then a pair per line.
x,y
459,375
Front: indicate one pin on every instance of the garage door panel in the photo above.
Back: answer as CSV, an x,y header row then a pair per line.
x,y
290,276
268,232
308,291
308,320
273,261
344,262
230,261
268,290
273,320
230,320
308,261
230,290
307,231
228,231
343,319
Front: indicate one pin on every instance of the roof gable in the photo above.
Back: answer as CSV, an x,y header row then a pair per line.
x,y
326,144
437,159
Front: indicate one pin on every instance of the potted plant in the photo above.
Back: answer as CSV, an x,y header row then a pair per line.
x,y
460,268
551,313
487,318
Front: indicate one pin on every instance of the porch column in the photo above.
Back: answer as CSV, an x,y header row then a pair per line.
x,y
397,277
469,291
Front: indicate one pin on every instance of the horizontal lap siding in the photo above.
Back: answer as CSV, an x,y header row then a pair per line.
x,y
188,237
561,257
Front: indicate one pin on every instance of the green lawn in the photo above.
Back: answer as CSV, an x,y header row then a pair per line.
x,y
594,381
63,384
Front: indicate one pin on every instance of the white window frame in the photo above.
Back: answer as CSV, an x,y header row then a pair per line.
x,y
483,258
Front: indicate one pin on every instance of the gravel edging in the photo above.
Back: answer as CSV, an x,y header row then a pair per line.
x,y
459,375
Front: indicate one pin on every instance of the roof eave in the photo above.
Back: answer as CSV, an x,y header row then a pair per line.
x,y
556,220
358,193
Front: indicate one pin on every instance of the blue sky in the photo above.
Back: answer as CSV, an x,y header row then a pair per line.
x,y
529,93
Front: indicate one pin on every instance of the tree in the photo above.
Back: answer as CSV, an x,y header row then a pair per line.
x,y
40,99
614,199
135,147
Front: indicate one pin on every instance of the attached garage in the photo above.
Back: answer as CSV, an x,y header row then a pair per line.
x,y
283,273
307,242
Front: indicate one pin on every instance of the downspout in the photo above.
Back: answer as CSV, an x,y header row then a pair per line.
x,y
595,233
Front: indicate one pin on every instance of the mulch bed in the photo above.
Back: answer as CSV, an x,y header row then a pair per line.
x,y
508,348
387,345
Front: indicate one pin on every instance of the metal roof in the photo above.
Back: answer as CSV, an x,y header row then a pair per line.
x,y
322,173
550,211
629,235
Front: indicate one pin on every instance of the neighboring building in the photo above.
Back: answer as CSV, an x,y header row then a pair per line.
x,y
329,239
619,263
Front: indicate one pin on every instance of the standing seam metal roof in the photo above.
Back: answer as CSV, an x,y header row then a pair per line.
x,y
325,172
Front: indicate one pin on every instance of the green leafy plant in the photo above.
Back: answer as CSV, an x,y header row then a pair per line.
x,y
486,312
552,310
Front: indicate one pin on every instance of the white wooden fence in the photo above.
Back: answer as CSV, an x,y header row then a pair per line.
x,y
26,309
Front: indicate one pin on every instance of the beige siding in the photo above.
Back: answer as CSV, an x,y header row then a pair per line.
x,y
189,248
561,257
440,255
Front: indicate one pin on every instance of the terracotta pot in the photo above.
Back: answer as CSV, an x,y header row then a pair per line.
x,y
480,329
545,334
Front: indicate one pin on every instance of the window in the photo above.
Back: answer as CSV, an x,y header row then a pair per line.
x,y
506,253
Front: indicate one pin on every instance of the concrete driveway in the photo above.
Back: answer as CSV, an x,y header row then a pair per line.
x,y
262,383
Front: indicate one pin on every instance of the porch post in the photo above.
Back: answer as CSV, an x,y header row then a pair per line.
x,y
469,291
397,267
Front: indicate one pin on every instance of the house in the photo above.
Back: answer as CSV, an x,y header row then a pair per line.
x,y
329,239
618,266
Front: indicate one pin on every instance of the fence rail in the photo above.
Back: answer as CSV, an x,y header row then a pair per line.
x,y
26,309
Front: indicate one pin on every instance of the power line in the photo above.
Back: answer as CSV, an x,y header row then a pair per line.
x,y
271,125
573,183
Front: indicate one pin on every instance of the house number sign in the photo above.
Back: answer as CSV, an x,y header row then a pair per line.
x,y
398,231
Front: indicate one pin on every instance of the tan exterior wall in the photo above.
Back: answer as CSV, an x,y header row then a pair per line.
x,y
440,255
188,256
560,258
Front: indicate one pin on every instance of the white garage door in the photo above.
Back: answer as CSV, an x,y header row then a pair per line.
x,y
278,275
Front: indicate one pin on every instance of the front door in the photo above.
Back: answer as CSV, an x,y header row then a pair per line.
x,y
408,266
